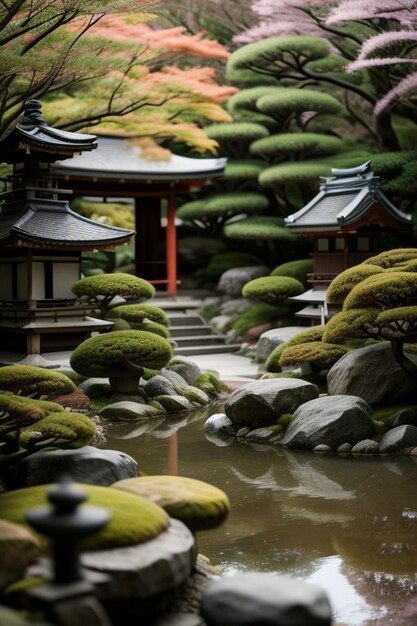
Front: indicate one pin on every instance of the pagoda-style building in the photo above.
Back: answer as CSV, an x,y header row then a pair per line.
x,y
41,241
345,219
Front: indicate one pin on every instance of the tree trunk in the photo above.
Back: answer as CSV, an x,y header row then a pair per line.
x,y
397,347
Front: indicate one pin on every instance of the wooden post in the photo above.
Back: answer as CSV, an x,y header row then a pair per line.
x,y
171,245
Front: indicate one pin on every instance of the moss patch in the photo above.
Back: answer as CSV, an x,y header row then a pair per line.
x,y
28,380
133,519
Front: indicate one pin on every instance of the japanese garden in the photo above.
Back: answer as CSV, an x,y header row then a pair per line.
x,y
208,313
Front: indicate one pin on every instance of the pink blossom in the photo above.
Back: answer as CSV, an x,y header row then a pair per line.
x,y
405,87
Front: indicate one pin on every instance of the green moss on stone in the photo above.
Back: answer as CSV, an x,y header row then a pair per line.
x,y
317,353
313,333
133,519
272,289
260,314
195,395
210,383
28,380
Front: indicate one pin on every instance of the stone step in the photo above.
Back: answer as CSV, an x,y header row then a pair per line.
x,y
199,340
185,331
208,349
185,319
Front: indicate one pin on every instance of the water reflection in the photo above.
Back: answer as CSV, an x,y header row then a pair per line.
x,y
349,524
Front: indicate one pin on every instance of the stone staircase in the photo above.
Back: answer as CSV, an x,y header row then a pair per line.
x,y
192,336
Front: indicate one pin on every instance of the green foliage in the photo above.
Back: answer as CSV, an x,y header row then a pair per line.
x,y
227,260
272,289
210,383
260,314
133,519
318,354
392,258
24,410
244,102
398,323
59,430
28,380
386,290
113,354
138,313
293,172
116,214
103,288
258,227
311,334
343,284
234,203
191,210
291,100
279,147
347,325
295,269
151,327
236,132
243,170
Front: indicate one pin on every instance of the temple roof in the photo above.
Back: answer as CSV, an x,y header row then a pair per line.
x,y
33,138
52,224
344,198
119,157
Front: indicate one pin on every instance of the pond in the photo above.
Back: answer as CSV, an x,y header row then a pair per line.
x,y
348,524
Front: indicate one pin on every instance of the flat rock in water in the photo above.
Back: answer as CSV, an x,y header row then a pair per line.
x,y
260,434
85,465
366,446
372,373
331,420
127,410
262,402
250,599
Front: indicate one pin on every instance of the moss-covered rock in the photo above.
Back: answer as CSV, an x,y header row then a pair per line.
x,y
318,354
272,289
260,314
210,383
118,354
18,548
174,404
133,519
313,333
196,503
28,380
343,284
59,430
195,395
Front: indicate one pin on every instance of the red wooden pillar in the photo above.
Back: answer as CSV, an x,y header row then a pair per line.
x,y
171,247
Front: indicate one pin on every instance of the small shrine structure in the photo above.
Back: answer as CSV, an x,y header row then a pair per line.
x,y
345,219
41,241
117,170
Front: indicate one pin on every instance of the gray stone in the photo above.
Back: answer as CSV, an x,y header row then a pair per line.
x,y
269,340
235,306
175,404
96,387
159,386
186,368
221,323
85,465
219,424
195,395
401,418
372,373
18,549
127,410
242,432
251,599
331,420
366,446
262,402
322,448
344,448
232,281
260,434
180,619
176,379
399,438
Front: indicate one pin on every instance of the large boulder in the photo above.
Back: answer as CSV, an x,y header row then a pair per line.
x,y
85,465
331,420
372,373
262,402
270,339
186,368
18,549
264,599
399,438
232,281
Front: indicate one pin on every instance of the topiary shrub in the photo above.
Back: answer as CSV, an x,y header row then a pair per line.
x,y
133,520
313,333
299,269
59,430
392,258
260,314
272,289
122,357
100,290
355,324
317,354
138,313
343,284
152,327
280,147
28,380
387,290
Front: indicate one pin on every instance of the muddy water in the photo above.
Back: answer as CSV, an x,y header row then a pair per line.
x,y
347,524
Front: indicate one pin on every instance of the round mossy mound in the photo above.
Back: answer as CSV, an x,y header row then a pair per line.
x,y
117,284
272,289
28,380
258,227
133,519
125,351
151,327
319,354
295,269
343,284
62,429
138,313
196,503
26,410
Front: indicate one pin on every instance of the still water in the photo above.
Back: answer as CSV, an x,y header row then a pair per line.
x,y
348,524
